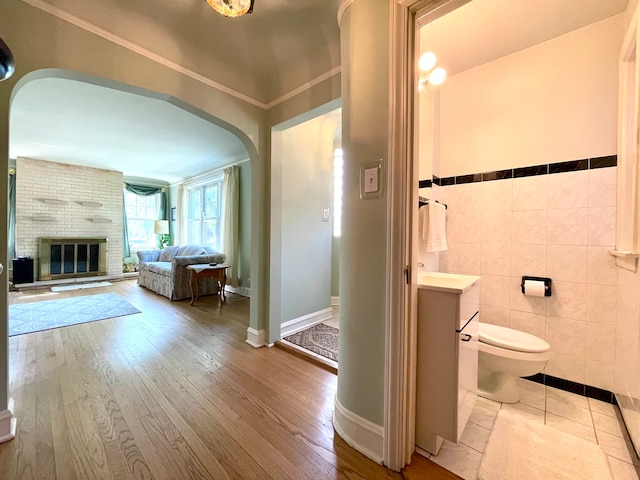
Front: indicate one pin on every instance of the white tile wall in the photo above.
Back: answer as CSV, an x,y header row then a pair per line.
x,y
37,179
561,226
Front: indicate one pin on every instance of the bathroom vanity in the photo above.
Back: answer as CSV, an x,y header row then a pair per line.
x,y
447,356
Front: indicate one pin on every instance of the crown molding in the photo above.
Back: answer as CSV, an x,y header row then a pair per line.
x,y
304,87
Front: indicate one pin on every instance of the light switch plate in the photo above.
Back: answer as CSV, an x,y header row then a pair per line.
x,y
325,214
371,179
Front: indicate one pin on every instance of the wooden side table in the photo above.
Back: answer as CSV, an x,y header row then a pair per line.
x,y
205,270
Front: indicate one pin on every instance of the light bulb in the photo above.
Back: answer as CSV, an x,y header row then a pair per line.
x,y
427,61
437,76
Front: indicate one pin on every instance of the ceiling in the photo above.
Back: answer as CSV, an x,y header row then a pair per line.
x,y
282,46
73,122
485,30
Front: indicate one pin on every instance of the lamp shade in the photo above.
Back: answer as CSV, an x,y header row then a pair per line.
x,y
161,227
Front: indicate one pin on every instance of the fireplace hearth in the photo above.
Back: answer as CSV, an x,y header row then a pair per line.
x,y
61,257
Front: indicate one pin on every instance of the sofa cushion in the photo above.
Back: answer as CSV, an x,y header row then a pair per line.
x,y
167,254
188,250
161,268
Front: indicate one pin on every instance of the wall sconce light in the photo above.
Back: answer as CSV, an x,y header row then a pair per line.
x,y
431,75
231,8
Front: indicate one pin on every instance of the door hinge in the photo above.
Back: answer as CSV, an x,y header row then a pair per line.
x,y
407,274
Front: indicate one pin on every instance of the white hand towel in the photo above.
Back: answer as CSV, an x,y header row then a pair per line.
x,y
433,226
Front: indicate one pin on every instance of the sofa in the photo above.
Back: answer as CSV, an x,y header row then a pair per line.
x,y
165,271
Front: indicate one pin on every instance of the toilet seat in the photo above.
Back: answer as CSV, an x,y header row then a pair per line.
x,y
510,339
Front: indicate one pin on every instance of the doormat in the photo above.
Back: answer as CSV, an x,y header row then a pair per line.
x,y
38,316
519,448
320,339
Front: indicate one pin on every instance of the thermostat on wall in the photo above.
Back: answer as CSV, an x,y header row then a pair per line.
x,y
371,179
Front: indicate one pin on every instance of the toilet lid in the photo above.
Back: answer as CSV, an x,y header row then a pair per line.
x,y
510,339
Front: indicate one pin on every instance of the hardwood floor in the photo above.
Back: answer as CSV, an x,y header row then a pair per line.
x,y
174,392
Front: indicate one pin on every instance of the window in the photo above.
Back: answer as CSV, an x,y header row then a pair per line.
x,y
205,214
338,168
141,213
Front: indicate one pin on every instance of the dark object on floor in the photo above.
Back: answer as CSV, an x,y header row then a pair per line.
x,y
22,270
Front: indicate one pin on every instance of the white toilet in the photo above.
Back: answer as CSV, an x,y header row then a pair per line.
x,y
504,355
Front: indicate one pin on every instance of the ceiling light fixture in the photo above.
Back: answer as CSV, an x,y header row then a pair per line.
x,y
7,65
432,76
231,8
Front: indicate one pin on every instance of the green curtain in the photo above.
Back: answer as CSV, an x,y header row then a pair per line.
x,y
12,216
143,191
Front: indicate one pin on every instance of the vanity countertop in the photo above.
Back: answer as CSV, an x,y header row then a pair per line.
x,y
446,282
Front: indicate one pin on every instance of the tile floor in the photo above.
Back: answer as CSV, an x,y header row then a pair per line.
x,y
590,419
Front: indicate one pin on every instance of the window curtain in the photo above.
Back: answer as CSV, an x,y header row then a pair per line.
x,y
12,215
143,191
181,217
230,205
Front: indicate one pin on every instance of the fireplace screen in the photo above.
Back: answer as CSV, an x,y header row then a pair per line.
x,y
71,257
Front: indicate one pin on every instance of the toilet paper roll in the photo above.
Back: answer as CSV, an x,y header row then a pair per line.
x,y
535,288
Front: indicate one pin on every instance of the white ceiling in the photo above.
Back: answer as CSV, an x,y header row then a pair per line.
x,y
485,30
283,45
78,123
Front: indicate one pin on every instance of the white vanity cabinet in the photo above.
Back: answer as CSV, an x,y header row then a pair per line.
x,y
447,356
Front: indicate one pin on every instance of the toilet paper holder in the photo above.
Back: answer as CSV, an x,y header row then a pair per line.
x,y
546,280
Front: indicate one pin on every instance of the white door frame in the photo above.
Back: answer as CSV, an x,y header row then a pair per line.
x,y
406,16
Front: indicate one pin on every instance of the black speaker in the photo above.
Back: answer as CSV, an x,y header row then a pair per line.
x,y
22,270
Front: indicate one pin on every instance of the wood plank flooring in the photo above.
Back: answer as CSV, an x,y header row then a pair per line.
x,y
172,393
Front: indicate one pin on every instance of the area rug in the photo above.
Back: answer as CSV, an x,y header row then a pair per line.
x,y
79,286
37,316
519,448
320,339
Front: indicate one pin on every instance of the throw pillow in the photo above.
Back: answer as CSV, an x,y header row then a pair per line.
x,y
167,254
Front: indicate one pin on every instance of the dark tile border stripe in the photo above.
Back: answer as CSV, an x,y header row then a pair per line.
x,y
530,171
602,162
448,181
473,178
572,166
548,169
424,184
497,175
574,387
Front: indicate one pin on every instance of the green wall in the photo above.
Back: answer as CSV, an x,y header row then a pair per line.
x,y
365,138
244,250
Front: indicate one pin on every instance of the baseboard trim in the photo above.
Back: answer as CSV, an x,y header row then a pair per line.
x,y
8,423
335,301
358,432
574,387
244,291
256,338
304,322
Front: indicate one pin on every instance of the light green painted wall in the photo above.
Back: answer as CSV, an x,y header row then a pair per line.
x,y
305,161
365,114
244,251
